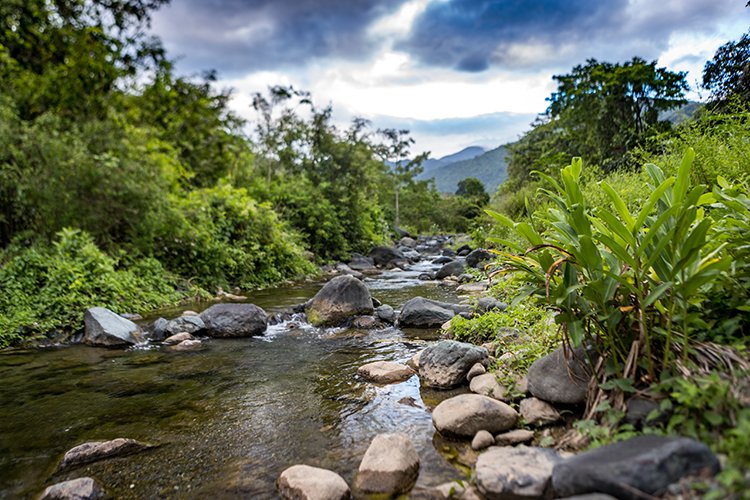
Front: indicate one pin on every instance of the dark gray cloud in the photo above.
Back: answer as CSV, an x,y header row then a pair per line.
x,y
236,36
473,35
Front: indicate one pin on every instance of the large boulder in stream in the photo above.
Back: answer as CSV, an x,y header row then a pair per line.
x,y
467,414
425,313
340,299
303,482
478,257
445,365
382,256
641,467
105,328
83,488
234,320
390,466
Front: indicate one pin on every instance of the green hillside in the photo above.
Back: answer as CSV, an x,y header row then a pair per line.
x,y
490,168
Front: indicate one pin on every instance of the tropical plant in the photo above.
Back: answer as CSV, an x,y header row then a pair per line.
x,y
626,282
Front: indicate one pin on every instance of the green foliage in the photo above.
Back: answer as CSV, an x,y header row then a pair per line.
x,y
537,337
221,236
608,109
48,287
728,73
472,189
626,281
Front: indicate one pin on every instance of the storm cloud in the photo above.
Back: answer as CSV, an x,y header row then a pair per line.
x,y
473,36
236,36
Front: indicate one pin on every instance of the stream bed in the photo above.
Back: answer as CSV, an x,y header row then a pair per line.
x,y
226,419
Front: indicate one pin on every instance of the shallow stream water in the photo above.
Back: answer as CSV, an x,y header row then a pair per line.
x,y
227,419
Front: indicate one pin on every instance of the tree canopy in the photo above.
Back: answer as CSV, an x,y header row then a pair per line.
x,y
728,73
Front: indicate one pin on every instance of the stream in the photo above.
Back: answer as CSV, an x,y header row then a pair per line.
x,y
227,419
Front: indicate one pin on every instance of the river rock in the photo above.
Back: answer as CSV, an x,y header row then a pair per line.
x,y
383,256
302,482
487,304
537,412
467,414
442,260
477,257
472,287
362,264
557,380
105,328
385,372
444,365
386,313
177,338
482,439
486,384
83,488
189,324
340,299
187,345
157,331
455,268
344,269
476,369
463,250
514,437
408,242
366,323
100,450
390,466
235,320
423,313
413,363
516,473
641,467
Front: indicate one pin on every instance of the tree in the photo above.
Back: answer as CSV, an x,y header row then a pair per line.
x,y
608,109
473,189
728,73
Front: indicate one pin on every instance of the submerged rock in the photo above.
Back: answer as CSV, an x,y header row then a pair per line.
x,y
556,379
385,372
177,338
83,488
467,414
444,365
516,473
106,328
641,467
302,482
187,345
234,320
340,299
99,450
390,466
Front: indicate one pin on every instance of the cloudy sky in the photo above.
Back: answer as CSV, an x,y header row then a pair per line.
x,y
457,73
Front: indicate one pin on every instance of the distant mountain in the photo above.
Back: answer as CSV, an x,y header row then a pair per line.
x,y
431,164
681,114
488,166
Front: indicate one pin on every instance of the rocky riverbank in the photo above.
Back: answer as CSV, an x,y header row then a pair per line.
x,y
503,429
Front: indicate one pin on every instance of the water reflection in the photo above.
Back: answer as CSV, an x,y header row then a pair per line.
x,y
228,418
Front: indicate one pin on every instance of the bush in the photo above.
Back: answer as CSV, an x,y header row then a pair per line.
x,y
48,287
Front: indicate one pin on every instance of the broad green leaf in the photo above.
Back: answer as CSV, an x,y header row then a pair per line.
x,y
502,219
651,202
619,205
656,293
683,176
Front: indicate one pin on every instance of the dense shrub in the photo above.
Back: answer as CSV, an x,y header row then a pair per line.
x,y
48,287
